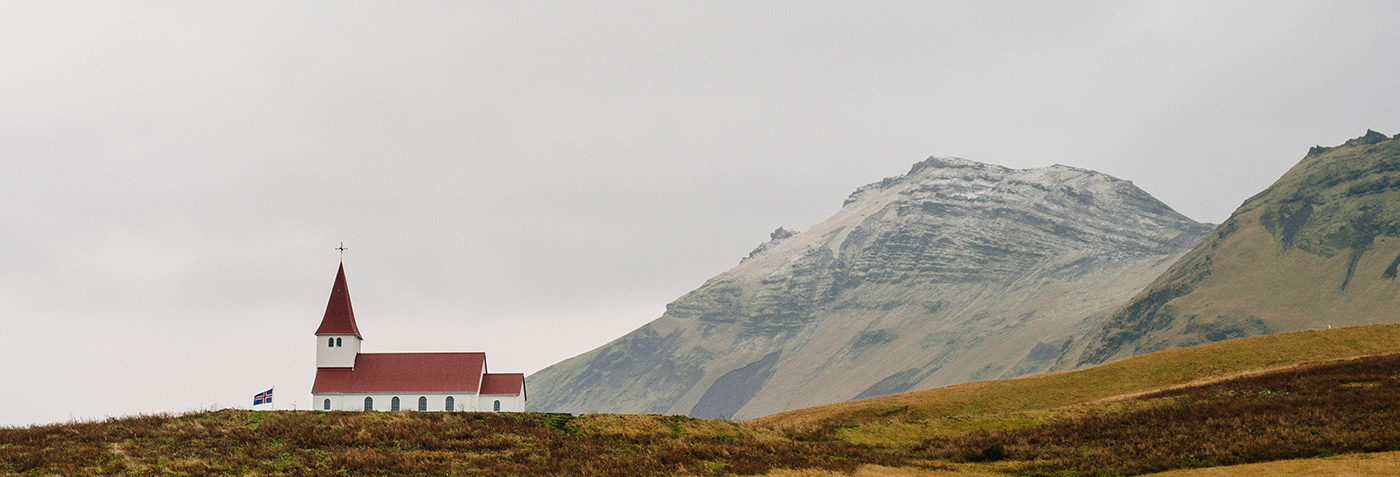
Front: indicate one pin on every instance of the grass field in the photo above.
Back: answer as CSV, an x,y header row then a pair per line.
x,y
408,443
1319,410
1347,465
1350,465
1013,403
1312,395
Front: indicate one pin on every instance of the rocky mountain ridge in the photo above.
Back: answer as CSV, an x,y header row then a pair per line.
x,y
955,271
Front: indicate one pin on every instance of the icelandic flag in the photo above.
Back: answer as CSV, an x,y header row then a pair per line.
x,y
263,398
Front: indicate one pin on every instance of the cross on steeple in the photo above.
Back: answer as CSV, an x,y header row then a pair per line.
x,y
342,249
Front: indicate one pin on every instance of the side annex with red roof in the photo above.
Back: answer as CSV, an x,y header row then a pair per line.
x,y
349,380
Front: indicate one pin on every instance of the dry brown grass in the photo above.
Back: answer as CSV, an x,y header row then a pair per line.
x,y
408,443
1350,465
1033,395
1308,411
882,471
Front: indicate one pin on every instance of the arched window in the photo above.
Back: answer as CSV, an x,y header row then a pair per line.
x,y
330,342
496,407
369,403
394,405
337,342
326,405
450,406
422,403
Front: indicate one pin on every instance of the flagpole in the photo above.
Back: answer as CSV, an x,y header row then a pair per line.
x,y
274,397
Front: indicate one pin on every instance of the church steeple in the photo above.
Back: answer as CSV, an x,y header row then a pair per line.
x,y
340,316
338,339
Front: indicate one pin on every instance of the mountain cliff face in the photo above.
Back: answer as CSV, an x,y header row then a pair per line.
x,y
1319,247
956,271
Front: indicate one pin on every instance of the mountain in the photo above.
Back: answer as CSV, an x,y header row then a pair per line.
x,y
1318,248
953,272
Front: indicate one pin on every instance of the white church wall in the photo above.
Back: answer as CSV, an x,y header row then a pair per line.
x,y
509,402
343,356
384,402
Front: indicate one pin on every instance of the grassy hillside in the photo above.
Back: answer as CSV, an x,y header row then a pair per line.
x,y
1309,411
1345,465
1030,400
408,443
1124,418
1320,246
1352,465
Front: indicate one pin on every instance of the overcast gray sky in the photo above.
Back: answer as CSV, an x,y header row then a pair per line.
x,y
534,179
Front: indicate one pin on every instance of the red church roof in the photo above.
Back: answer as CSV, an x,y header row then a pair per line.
x,y
340,317
504,383
406,373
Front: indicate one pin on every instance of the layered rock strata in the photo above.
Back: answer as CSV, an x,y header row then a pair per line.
x,y
955,271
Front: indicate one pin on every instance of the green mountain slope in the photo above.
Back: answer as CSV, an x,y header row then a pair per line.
x,y
953,272
1318,248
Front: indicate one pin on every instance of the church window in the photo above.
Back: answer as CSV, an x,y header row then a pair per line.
x,y
496,407
326,405
337,342
330,342
422,403
394,405
369,403
449,407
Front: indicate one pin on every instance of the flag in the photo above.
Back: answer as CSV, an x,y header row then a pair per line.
x,y
263,398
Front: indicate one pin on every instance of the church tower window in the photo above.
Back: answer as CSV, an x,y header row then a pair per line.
x,y
337,342
394,405
496,407
326,405
449,407
422,403
369,403
330,342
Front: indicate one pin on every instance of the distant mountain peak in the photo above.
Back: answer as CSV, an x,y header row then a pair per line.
x,y
1371,137
955,271
948,162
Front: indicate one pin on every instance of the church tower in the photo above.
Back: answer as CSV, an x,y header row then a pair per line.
x,y
338,339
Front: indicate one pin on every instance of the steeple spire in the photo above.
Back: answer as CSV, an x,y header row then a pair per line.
x,y
340,317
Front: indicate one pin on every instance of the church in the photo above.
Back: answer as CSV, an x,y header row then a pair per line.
x,y
348,380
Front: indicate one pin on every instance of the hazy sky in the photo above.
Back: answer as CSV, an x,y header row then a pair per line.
x,y
534,179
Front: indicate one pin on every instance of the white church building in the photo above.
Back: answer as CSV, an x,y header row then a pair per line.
x,y
348,380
